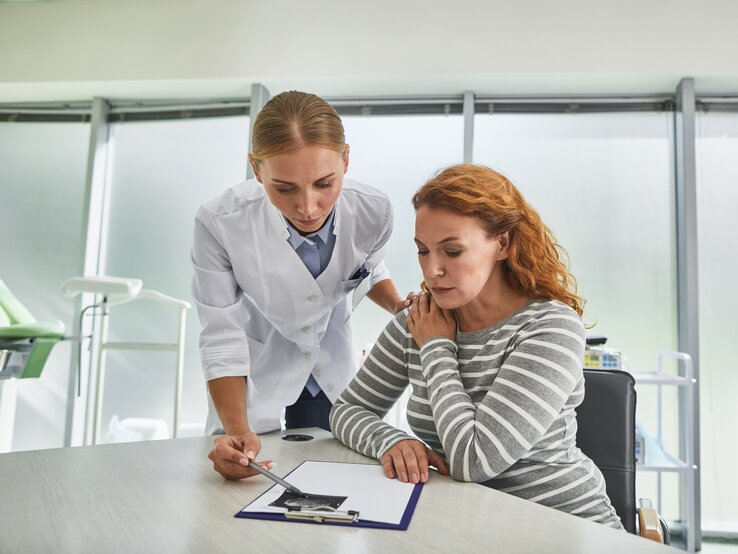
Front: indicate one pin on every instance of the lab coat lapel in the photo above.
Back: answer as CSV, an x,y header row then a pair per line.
x,y
280,257
332,275
289,281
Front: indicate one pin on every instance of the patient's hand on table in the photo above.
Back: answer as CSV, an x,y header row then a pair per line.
x,y
231,455
408,460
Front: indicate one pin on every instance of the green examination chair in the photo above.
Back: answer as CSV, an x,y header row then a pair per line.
x,y
25,345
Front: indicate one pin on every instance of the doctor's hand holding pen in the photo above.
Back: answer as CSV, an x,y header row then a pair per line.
x,y
232,454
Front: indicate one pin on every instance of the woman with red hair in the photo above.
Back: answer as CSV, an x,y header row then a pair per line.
x,y
492,351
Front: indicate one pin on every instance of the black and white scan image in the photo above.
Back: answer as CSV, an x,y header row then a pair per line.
x,y
292,501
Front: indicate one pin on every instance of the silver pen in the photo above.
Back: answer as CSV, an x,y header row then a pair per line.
x,y
279,481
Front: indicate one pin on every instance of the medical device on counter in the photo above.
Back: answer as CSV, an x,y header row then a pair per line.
x,y
596,356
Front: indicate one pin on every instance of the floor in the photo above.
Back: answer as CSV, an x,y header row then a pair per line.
x,y
719,546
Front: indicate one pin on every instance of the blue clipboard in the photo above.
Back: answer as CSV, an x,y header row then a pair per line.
x,y
402,526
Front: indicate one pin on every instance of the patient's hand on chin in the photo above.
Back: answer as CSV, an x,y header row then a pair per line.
x,y
426,319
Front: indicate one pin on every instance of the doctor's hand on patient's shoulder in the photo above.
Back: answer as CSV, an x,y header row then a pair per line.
x,y
408,460
426,320
402,304
231,455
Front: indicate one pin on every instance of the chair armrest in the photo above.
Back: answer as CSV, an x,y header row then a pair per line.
x,y
650,526
650,523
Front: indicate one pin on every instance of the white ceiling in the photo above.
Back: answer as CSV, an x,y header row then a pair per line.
x,y
77,49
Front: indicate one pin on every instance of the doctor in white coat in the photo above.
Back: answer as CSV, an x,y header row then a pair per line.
x,y
280,262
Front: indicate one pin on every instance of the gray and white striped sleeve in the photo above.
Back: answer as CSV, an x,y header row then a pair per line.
x,y
532,386
356,417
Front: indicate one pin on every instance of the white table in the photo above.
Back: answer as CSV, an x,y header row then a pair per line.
x,y
163,496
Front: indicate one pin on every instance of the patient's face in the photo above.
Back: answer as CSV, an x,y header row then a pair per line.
x,y
456,255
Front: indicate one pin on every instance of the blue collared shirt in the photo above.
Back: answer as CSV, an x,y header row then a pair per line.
x,y
315,249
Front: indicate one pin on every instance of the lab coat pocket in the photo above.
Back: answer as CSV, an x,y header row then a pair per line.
x,y
356,277
360,287
349,285
360,292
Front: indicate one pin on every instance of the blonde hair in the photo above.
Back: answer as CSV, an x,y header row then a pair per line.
x,y
294,119
534,266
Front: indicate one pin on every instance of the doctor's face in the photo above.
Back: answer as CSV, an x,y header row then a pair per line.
x,y
304,184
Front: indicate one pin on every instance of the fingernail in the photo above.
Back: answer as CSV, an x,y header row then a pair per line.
x,y
403,477
270,465
414,477
243,462
424,477
250,454
391,475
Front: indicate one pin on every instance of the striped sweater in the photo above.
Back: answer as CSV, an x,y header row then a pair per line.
x,y
498,404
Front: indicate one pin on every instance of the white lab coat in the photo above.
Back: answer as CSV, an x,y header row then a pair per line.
x,y
263,314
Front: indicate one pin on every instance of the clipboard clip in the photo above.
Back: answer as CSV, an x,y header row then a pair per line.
x,y
326,514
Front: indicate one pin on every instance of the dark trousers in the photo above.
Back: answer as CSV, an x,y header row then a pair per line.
x,y
309,411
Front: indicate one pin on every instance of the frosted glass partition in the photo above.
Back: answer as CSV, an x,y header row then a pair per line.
x,y
397,155
603,184
161,173
42,184
717,200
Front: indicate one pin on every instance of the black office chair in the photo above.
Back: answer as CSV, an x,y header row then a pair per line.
x,y
606,433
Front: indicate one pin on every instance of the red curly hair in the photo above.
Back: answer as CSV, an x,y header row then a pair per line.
x,y
535,265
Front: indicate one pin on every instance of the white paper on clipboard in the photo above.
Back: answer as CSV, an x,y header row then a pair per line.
x,y
369,492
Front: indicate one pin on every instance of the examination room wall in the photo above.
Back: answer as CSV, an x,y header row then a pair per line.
x,y
717,202
397,154
603,184
42,183
162,172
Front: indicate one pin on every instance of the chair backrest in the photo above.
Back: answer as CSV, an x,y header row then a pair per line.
x,y
606,434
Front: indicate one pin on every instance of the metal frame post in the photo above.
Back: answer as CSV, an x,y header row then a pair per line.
x,y
259,96
468,127
181,329
99,369
688,294
92,229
